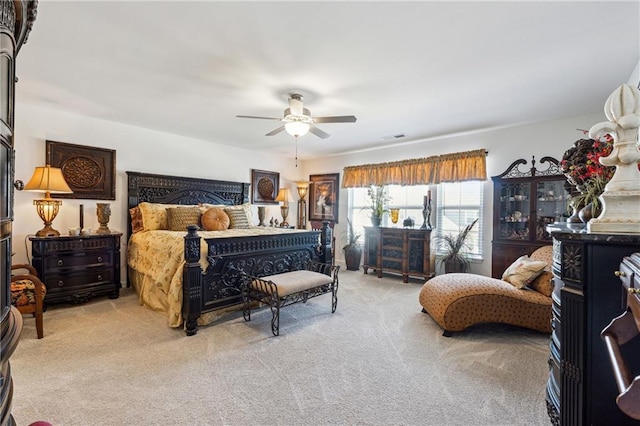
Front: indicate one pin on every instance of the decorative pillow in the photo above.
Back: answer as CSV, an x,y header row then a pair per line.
x,y
178,218
238,218
154,215
543,283
523,271
246,207
136,219
215,219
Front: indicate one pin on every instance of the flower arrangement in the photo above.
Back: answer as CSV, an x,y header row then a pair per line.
x,y
377,200
581,165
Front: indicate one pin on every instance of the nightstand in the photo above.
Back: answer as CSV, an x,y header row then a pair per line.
x,y
77,268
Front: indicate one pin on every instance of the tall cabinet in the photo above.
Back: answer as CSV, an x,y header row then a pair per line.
x,y
587,294
16,19
524,203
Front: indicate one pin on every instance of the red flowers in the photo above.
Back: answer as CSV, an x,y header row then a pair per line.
x,y
581,163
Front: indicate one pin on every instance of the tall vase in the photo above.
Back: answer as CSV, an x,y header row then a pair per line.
x,y
261,215
104,213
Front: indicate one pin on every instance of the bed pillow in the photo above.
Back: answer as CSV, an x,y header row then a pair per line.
x,y
543,283
246,207
178,218
136,219
238,217
523,271
215,219
154,215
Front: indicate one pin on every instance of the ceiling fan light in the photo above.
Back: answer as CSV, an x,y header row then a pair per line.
x,y
297,128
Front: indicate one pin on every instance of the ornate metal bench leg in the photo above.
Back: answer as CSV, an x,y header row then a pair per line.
x,y
275,315
246,305
334,296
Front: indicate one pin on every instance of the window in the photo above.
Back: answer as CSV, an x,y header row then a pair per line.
x,y
408,199
458,205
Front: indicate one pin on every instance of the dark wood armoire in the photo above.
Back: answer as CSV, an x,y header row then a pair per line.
x,y
16,20
581,389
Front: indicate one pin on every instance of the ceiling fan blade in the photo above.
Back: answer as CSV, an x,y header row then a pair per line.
x,y
276,131
338,119
295,105
261,118
319,133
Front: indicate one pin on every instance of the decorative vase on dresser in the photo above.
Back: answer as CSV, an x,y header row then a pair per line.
x,y
524,203
16,20
581,389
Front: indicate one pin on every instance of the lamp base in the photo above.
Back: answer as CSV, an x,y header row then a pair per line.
x,y
47,231
284,211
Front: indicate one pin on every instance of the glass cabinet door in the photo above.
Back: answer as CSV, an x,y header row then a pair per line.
x,y
515,210
552,205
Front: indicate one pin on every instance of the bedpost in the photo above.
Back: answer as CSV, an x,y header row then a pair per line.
x,y
191,281
325,243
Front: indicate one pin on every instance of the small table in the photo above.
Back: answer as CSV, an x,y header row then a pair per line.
x,y
79,267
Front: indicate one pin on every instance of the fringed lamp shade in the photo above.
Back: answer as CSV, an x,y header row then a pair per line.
x,y
49,180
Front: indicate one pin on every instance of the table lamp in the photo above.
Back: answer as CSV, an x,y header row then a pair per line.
x,y
49,180
284,196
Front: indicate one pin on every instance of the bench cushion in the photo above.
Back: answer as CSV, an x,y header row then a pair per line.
x,y
296,281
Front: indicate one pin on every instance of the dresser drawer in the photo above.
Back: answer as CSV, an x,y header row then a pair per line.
x,y
83,259
89,278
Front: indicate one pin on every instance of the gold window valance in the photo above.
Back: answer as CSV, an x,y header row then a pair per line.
x,y
456,167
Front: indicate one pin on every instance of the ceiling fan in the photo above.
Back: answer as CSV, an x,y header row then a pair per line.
x,y
298,120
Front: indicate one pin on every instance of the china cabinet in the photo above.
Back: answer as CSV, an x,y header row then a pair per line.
x,y
16,20
524,203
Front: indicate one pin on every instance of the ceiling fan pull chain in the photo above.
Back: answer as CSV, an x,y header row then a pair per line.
x,y
296,151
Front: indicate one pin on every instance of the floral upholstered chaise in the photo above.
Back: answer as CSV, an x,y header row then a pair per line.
x,y
457,301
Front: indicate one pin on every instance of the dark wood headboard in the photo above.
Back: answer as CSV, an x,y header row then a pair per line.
x,y
165,189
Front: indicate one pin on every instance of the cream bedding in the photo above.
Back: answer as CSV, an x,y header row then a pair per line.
x,y
156,260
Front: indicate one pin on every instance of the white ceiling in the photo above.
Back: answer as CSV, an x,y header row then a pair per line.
x,y
422,69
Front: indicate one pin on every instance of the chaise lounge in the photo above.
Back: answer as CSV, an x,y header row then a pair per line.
x,y
457,301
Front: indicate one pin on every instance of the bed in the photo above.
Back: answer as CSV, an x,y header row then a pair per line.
x,y
193,275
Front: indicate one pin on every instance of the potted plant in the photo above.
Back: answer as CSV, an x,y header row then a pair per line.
x,y
454,248
377,202
589,198
352,249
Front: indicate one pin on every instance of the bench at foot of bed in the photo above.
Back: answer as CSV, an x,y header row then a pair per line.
x,y
292,287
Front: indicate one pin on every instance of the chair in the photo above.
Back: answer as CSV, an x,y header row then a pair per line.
x,y
27,294
457,301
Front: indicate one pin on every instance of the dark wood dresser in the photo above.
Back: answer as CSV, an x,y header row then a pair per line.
x,y
404,251
77,268
581,389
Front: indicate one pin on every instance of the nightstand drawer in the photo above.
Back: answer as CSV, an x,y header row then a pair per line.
x,y
88,278
86,259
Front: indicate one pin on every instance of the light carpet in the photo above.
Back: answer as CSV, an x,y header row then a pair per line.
x,y
378,360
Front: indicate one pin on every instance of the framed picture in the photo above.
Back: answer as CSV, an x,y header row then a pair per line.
x,y
323,201
264,186
89,171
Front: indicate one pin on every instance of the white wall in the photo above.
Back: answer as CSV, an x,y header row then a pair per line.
x,y
505,145
144,150
137,149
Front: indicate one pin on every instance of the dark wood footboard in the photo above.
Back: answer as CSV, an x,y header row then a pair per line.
x,y
219,285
